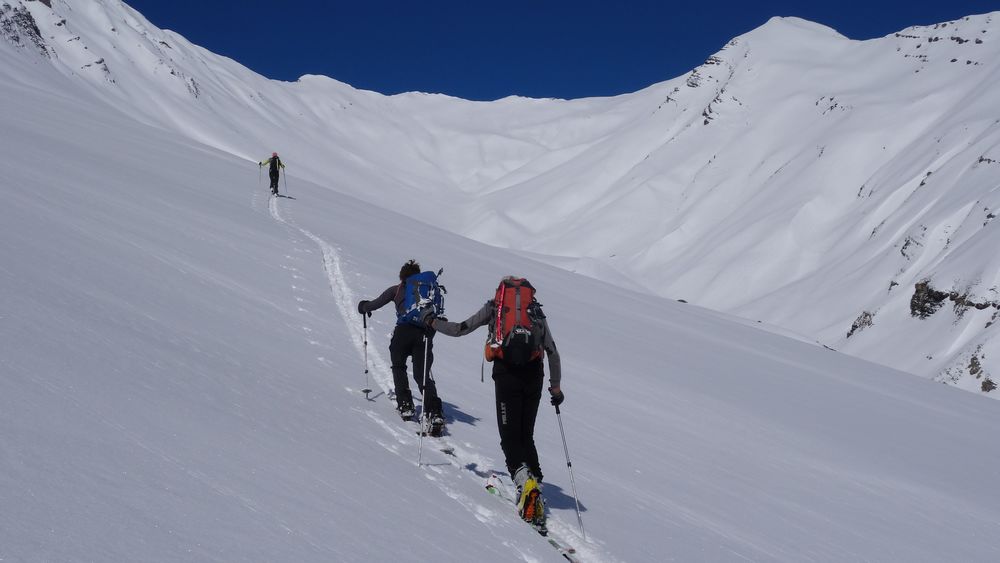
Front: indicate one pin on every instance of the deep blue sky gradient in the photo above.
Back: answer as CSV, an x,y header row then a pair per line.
x,y
488,50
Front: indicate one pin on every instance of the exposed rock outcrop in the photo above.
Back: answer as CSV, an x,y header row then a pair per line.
x,y
18,26
926,301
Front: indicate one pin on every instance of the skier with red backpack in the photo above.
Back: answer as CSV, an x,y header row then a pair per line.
x,y
519,337
416,293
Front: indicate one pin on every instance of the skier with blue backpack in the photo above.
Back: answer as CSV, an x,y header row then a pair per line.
x,y
415,293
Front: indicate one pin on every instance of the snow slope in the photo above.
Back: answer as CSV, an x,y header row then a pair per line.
x,y
182,362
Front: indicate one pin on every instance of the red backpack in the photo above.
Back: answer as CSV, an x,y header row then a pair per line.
x,y
516,333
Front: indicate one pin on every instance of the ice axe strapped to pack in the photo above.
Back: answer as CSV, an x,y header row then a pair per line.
x,y
515,335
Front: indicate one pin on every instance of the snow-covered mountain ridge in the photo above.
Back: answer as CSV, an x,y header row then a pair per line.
x,y
181,357
797,177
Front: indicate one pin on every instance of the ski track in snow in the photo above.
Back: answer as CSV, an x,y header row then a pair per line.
x,y
468,461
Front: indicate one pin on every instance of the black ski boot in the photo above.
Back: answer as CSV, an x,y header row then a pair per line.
x,y
405,410
435,424
432,424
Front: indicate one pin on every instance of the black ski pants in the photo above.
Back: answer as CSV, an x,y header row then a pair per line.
x,y
274,180
518,392
408,341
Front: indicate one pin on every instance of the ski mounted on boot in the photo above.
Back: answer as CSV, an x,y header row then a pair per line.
x,y
496,487
431,426
535,516
435,429
432,433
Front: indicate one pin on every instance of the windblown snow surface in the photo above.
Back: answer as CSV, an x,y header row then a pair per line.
x,y
181,359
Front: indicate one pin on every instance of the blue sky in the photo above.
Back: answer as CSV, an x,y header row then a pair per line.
x,y
488,50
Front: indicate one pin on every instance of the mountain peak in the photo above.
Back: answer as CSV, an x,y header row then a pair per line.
x,y
791,29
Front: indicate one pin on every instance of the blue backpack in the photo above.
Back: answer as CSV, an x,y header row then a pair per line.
x,y
421,291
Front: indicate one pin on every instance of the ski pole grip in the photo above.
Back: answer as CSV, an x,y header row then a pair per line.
x,y
557,410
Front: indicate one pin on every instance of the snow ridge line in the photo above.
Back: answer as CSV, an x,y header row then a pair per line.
x,y
345,299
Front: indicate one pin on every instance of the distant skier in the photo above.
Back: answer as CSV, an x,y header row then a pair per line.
x,y
409,339
519,337
274,164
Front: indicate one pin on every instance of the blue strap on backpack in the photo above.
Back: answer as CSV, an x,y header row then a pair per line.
x,y
421,291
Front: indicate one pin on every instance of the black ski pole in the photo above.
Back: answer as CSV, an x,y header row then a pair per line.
x,y
367,389
572,480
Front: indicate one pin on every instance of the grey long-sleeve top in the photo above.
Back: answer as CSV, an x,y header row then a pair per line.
x,y
484,317
392,293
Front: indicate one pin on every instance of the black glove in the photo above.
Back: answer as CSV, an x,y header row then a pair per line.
x,y
362,308
427,316
557,397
